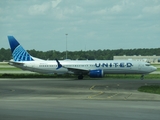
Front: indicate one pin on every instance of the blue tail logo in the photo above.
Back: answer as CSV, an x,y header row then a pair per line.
x,y
18,52
59,64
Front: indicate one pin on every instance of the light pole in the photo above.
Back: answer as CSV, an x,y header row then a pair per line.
x,y
66,46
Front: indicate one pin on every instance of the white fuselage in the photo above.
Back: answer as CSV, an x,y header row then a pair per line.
x,y
108,66
93,68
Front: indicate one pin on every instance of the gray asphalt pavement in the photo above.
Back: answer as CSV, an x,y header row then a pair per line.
x,y
69,99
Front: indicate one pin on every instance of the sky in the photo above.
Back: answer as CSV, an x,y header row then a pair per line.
x,y
90,24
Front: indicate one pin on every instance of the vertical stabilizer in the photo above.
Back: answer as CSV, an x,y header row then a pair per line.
x,y
18,52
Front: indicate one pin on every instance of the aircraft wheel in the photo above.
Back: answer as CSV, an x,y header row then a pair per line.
x,y
142,77
80,77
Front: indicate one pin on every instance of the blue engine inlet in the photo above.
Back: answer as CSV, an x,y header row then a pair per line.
x,y
96,73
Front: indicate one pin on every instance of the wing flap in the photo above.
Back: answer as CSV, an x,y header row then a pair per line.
x,y
77,70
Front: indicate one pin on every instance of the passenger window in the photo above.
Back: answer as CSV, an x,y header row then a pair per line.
x,y
147,64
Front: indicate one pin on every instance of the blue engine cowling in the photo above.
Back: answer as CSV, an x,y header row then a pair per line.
x,y
96,73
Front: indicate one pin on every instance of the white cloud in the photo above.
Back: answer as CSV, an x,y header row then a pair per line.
x,y
39,9
100,12
116,9
92,2
73,10
91,34
55,3
153,10
111,20
78,22
138,17
58,29
112,10
59,14
67,12
79,9
43,8
155,1
127,3
1,11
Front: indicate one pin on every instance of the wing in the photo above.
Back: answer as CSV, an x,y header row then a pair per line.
x,y
77,70
72,69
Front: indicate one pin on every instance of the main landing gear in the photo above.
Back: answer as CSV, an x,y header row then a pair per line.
x,y
80,77
142,77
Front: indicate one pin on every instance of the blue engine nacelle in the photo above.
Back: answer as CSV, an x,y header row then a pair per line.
x,y
96,73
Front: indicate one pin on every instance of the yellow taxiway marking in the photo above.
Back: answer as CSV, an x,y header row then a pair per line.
x,y
92,87
90,97
127,96
112,95
99,93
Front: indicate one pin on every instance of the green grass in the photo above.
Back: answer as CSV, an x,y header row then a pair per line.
x,y
156,65
108,76
150,89
132,76
10,69
158,69
36,75
4,63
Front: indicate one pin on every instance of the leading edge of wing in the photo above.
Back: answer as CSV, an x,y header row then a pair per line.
x,y
76,70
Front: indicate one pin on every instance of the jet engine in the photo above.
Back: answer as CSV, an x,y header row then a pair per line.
x,y
96,73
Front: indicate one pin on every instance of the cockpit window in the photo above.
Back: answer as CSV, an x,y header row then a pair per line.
x,y
147,64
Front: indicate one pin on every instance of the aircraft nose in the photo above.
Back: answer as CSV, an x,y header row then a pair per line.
x,y
154,68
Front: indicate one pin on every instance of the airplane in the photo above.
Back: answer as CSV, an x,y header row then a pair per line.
x,y
93,68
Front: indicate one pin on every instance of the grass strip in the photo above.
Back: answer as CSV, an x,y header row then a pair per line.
x,y
150,89
10,69
36,75
158,69
108,76
132,76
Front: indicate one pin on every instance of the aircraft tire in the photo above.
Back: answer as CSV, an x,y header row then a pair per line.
x,y
142,77
80,77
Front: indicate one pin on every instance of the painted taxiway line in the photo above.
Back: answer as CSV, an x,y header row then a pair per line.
x,y
94,95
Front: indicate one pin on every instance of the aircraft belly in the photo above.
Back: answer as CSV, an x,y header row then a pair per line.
x,y
120,71
48,70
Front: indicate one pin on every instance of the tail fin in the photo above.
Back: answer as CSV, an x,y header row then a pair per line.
x,y
18,52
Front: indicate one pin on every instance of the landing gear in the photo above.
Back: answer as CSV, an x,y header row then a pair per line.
x,y
80,77
142,77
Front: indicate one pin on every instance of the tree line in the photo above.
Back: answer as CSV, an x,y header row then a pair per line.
x,y
5,54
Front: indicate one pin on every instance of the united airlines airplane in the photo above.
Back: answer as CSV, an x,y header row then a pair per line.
x,y
94,68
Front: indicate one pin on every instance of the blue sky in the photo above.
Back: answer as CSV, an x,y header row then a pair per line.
x,y
90,24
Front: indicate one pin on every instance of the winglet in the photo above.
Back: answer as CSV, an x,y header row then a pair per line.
x,y
59,64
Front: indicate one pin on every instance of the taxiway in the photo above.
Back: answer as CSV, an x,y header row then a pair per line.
x,y
68,99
